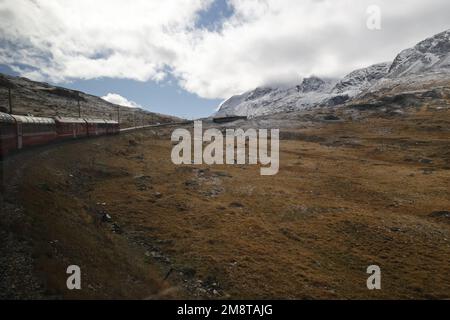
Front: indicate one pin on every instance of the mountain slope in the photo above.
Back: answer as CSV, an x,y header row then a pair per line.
x,y
361,79
262,101
430,58
432,54
42,99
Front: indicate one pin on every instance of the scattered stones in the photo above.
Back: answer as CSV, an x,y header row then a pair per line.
x,y
440,214
331,117
116,228
191,183
233,264
222,174
427,171
425,161
155,254
214,192
289,234
142,182
236,205
106,218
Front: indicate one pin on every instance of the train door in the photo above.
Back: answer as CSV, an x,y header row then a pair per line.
x,y
74,129
19,135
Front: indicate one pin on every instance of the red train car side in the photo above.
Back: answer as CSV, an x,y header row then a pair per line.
x,y
8,134
71,128
33,131
17,132
96,127
112,127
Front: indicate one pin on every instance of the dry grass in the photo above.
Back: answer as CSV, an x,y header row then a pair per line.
x,y
351,195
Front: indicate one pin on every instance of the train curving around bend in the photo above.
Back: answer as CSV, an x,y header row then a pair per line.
x,y
19,132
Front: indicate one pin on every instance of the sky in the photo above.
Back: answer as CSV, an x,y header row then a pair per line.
x,y
184,57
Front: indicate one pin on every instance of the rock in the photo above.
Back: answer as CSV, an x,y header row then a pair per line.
x,y
156,255
158,195
191,183
106,217
337,100
425,161
236,205
427,171
222,174
116,228
331,117
440,214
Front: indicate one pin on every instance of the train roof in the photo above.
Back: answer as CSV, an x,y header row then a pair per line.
x,y
69,120
100,121
6,118
111,121
88,120
39,120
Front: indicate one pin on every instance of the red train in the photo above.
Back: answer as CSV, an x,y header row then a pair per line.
x,y
18,132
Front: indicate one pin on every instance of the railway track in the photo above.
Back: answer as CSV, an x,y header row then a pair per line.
x,y
21,132
155,126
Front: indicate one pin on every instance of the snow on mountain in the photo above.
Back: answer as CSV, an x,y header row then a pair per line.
x,y
310,92
431,55
361,79
266,100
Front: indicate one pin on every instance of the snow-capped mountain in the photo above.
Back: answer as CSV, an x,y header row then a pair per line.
x,y
263,101
432,54
361,79
429,56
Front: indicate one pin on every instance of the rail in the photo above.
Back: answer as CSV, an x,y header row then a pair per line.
x,y
155,126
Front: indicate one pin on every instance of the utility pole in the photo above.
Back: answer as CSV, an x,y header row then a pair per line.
x,y
118,114
10,101
79,106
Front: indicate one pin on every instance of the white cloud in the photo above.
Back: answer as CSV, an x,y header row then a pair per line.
x,y
121,101
265,41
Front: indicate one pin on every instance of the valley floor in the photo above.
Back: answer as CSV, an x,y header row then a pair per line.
x,y
349,194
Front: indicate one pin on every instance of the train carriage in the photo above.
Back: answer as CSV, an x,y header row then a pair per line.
x,y
71,128
98,127
112,127
33,131
8,134
95,127
17,132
